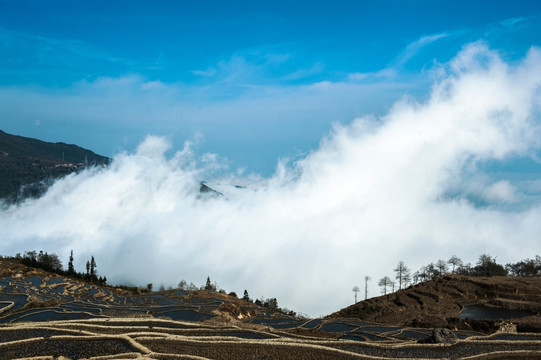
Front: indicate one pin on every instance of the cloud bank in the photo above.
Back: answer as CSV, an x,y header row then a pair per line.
x,y
376,191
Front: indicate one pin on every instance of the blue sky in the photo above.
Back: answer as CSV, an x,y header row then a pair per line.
x,y
363,133
251,81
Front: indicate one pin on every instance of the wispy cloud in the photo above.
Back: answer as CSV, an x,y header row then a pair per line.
x,y
259,67
513,22
395,67
315,69
415,47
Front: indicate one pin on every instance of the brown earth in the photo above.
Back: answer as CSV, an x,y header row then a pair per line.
x,y
437,303
120,324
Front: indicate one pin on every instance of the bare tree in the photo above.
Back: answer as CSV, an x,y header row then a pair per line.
x,y
355,290
192,287
366,279
182,285
441,265
455,262
431,271
401,270
423,274
416,277
384,283
407,279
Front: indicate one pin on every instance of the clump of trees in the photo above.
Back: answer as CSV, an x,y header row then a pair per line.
x,y
270,303
526,267
52,263
486,265
183,285
41,260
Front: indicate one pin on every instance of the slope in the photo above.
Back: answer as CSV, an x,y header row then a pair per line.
x,y
28,166
441,303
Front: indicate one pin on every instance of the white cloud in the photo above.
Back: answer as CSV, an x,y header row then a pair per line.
x,y
371,195
502,191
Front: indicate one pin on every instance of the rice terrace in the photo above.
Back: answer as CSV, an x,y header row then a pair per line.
x,y
48,316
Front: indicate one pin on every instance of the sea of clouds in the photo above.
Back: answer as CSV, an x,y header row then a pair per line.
x,y
410,186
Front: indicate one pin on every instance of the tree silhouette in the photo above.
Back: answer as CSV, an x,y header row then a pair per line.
x,y
209,286
355,290
526,267
182,284
149,289
366,279
71,269
401,270
441,265
455,262
384,283
407,279
487,266
92,268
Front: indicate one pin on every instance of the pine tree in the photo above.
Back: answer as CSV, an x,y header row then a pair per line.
x,y
208,286
71,269
246,297
92,266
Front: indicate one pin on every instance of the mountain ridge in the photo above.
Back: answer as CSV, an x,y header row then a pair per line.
x,y
29,166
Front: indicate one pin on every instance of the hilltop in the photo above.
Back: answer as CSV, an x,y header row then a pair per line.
x,y
442,303
29,166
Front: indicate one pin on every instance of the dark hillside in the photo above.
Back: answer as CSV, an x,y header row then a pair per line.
x,y
438,303
28,166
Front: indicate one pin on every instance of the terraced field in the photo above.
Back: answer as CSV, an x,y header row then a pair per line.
x,y
47,316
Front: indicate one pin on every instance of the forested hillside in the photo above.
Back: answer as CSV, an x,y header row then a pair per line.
x,y
29,166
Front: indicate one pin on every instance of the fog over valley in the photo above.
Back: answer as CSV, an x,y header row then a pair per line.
x,y
430,178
